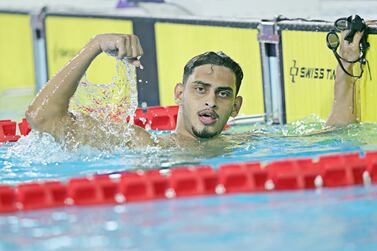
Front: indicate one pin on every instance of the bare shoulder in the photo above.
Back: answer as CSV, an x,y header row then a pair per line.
x,y
167,141
82,129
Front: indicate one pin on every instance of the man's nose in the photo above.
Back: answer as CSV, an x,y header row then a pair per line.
x,y
211,101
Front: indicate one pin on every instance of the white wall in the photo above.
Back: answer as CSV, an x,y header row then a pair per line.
x,y
250,9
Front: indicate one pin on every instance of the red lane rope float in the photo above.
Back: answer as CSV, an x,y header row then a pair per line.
x,y
24,127
157,117
8,131
337,170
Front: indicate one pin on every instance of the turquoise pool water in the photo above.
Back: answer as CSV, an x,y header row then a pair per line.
x,y
336,219
37,157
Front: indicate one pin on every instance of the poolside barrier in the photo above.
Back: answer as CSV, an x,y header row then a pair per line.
x,y
330,171
288,70
155,118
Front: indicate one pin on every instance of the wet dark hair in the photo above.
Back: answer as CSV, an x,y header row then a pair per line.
x,y
214,58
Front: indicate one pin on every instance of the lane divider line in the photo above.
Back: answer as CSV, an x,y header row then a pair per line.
x,y
338,170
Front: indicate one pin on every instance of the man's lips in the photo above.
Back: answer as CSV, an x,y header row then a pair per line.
x,y
208,117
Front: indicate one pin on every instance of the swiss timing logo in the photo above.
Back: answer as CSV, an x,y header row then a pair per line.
x,y
296,71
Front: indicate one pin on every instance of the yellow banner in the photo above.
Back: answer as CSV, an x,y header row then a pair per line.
x,y
178,43
16,50
66,36
368,84
309,74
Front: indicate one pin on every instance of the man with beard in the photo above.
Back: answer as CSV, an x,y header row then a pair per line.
x,y
207,97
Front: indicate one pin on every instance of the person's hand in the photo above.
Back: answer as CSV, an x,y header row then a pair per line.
x,y
350,51
121,46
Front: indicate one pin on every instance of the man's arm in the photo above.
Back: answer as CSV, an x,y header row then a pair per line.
x,y
49,110
343,109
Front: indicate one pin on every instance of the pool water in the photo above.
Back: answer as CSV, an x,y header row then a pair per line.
x,y
327,219
39,157
336,219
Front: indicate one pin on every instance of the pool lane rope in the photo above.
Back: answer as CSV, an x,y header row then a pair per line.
x,y
338,170
328,171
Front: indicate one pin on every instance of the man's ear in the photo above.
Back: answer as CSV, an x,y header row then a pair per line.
x,y
236,106
178,93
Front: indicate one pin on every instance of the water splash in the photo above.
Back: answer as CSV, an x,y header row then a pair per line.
x,y
306,126
111,104
114,101
132,86
41,148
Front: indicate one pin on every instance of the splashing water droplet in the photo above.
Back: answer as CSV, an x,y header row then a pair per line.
x,y
109,103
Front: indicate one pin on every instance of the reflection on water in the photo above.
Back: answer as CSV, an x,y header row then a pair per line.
x,y
38,156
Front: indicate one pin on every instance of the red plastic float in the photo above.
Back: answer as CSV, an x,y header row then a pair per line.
x,y
24,127
57,192
83,191
157,117
342,170
8,131
371,159
7,199
291,174
158,184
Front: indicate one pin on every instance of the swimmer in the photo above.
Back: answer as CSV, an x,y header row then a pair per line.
x,y
207,97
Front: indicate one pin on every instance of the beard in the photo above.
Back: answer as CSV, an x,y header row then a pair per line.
x,y
204,134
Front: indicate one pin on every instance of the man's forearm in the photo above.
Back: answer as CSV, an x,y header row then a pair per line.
x,y
343,109
53,100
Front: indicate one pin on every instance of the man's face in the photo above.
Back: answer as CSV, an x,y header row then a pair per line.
x,y
207,100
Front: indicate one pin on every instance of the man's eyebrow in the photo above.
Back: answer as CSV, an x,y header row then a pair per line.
x,y
224,89
218,89
201,83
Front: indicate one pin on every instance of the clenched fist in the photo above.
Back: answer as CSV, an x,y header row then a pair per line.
x,y
121,46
